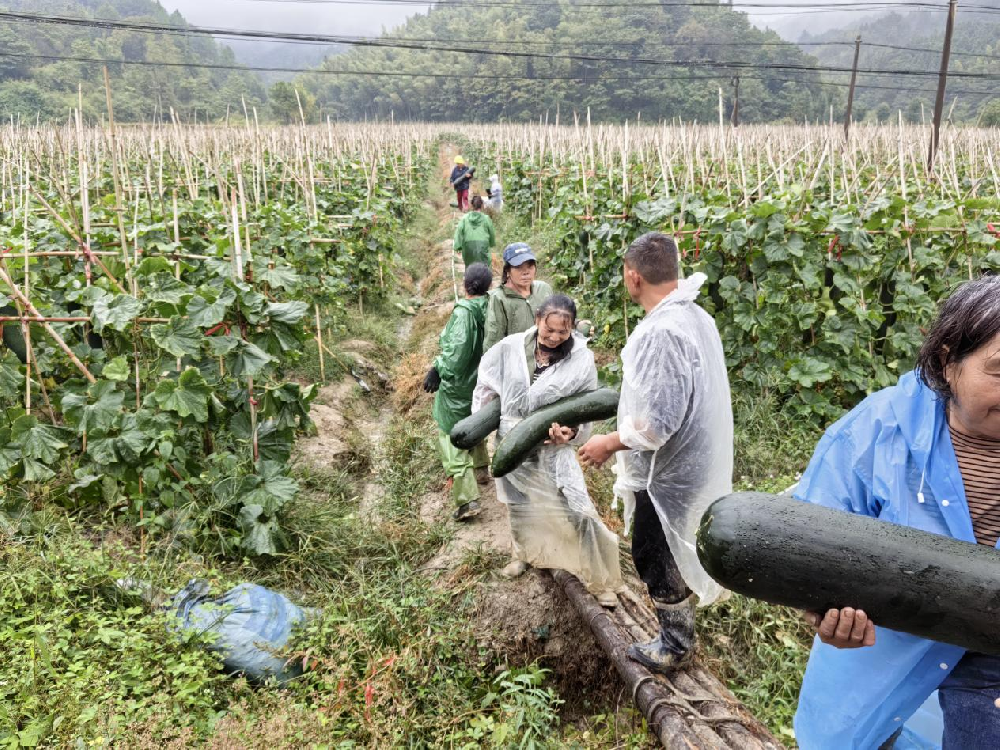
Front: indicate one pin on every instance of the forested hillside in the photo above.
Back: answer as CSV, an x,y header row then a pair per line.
x,y
975,49
34,82
560,61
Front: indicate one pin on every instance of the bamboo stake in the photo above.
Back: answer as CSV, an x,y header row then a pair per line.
x,y
5,277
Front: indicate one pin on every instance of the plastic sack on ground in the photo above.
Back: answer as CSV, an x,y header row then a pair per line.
x,y
553,521
251,624
675,415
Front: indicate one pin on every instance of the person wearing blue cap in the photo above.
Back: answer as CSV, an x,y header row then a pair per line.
x,y
512,305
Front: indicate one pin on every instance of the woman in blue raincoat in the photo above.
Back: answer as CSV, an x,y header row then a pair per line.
x,y
924,453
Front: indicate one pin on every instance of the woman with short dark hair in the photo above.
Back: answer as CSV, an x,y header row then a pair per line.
x,y
453,378
924,453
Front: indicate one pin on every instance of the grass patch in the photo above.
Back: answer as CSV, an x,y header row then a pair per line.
x,y
771,448
392,659
760,651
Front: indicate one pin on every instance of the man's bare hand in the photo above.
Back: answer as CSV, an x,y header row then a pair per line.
x,y
843,628
596,451
559,435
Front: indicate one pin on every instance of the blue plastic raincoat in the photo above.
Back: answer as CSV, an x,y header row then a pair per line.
x,y
890,458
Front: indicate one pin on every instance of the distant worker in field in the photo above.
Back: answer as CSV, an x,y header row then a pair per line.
x,y
553,522
461,178
474,235
453,378
674,442
512,305
495,194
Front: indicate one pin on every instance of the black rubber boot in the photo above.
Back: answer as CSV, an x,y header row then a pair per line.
x,y
675,646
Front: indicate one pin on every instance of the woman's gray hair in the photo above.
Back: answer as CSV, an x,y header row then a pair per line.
x,y
968,319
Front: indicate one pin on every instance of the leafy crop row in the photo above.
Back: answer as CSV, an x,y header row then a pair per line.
x,y
189,413
821,293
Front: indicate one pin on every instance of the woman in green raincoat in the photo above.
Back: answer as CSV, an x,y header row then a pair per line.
x,y
475,236
453,378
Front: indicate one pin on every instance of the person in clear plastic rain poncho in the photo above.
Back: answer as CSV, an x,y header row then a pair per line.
x,y
453,377
553,522
495,195
674,442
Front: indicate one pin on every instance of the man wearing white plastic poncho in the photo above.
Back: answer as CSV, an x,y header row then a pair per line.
x,y
674,442
553,522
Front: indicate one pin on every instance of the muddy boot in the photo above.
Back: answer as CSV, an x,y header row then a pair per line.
x,y
674,648
483,475
466,511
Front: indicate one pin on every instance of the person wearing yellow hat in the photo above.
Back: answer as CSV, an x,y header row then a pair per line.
x,y
460,178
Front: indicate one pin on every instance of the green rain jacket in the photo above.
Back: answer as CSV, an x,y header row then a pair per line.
x,y
458,363
508,312
474,236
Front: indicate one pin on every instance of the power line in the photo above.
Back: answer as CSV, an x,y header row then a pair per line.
x,y
503,77
396,44
589,43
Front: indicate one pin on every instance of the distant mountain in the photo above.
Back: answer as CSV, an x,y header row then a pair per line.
x,y
978,34
692,42
264,54
34,82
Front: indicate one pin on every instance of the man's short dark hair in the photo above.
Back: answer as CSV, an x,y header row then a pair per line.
x,y
477,202
654,257
968,319
478,279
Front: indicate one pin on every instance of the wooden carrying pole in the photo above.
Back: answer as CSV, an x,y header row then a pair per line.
x,y
690,708
942,83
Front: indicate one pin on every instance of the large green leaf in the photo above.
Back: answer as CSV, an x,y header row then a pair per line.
x,y
220,346
101,448
36,471
248,360
36,440
116,313
261,536
11,379
287,312
153,264
205,314
280,277
178,337
187,396
163,287
272,493
95,410
9,454
117,370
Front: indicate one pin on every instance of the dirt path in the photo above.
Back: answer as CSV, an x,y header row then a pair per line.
x,y
528,618
489,532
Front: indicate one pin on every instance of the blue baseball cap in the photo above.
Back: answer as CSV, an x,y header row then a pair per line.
x,y
518,253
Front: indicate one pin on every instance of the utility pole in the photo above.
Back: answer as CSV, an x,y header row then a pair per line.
x,y
850,93
942,82
735,119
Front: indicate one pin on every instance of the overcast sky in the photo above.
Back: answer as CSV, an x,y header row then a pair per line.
x,y
317,18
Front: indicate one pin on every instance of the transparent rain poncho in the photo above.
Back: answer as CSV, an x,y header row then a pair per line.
x,y
553,521
676,418
496,194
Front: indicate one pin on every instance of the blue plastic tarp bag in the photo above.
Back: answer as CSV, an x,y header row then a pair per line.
x,y
250,623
